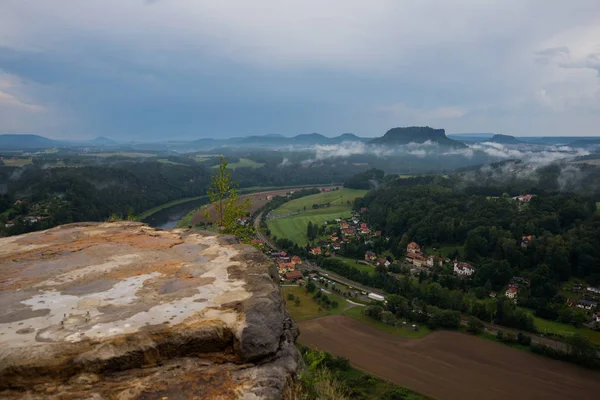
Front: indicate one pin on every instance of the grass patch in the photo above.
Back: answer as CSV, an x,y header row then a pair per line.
x,y
356,313
493,338
16,162
337,198
556,328
165,161
445,251
243,163
294,227
372,387
119,154
308,307
598,208
205,157
369,269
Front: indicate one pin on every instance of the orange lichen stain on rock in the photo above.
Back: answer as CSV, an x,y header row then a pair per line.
x,y
213,384
165,241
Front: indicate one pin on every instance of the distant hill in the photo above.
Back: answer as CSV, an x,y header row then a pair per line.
x,y
347,137
416,134
585,142
101,140
504,139
17,142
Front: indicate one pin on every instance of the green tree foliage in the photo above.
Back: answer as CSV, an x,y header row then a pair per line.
x,y
224,197
365,180
474,325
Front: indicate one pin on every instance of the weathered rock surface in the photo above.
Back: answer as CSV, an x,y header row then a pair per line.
x,y
124,311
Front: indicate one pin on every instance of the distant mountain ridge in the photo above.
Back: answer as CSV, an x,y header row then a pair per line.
x,y
504,139
416,134
26,141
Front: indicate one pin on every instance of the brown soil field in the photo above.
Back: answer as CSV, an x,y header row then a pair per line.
x,y
257,200
450,365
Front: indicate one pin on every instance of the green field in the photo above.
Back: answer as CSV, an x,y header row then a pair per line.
x,y
294,227
377,387
337,198
165,161
119,154
16,162
369,269
544,326
445,251
356,313
243,163
308,307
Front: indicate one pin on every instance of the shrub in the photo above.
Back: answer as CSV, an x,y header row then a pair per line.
x,y
474,325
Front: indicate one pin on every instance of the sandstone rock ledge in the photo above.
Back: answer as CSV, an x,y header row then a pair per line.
x,y
125,311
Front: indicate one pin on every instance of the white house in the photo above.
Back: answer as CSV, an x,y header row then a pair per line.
x,y
512,292
463,269
593,289
587,304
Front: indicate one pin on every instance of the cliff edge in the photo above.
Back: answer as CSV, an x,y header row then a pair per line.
x,y
122,310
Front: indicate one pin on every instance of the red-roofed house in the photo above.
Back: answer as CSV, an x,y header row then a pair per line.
x,y
512,292
416,259
525,241
296,260
370,256
293,276
315,251
286,267
413,248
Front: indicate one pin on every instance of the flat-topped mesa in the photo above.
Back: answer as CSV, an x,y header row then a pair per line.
x,y
122,310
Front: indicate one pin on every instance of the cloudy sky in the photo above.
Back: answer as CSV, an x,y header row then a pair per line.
x,y
176,69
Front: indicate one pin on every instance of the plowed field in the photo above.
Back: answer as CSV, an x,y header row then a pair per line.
x,y
450,365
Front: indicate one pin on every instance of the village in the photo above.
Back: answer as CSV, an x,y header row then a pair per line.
x,y
342,232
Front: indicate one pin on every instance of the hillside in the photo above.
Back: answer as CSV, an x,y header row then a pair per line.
x,y
504,139
416,134
14,142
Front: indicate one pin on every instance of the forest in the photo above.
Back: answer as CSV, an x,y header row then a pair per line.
x,y
45,194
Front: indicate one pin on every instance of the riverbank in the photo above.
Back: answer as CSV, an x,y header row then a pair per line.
x,y
145,214
172,203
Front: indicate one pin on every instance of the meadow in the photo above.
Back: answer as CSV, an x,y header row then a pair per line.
x,y
295,215
16,161
338,199
369,269
294,227
308,307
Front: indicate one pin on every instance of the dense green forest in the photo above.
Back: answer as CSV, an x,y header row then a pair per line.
x,y
56,190
487,227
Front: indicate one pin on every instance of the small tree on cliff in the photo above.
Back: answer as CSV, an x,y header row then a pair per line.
x,y
224,197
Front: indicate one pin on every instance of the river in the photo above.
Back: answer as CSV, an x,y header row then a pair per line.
x,y
170,216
